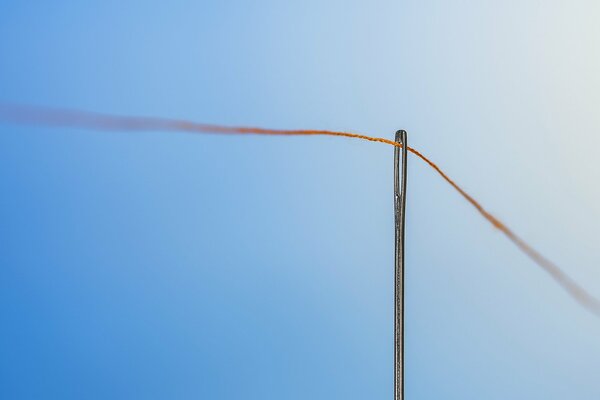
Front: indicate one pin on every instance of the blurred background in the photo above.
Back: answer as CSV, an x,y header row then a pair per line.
x,y
177,266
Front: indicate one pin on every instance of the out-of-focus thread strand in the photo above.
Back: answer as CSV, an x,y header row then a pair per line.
x,y
97,121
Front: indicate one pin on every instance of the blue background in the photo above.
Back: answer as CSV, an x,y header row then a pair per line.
x,y
177,266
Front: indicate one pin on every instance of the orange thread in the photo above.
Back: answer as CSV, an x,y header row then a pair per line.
x,y
90,120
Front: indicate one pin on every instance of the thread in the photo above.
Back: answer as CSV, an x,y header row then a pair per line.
x,y
98,121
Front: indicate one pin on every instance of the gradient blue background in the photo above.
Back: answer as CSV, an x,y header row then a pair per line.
x,y
176,266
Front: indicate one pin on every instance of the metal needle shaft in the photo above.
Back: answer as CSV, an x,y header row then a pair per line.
x,y
399,217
